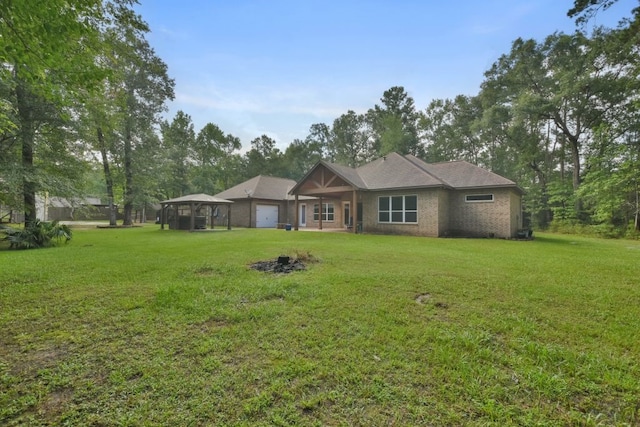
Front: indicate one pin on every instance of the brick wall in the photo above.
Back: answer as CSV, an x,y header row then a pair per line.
x,y
239,214
447,213
243,212
429,213
483,218
338,211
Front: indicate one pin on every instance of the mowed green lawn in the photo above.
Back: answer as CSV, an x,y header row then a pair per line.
x,y
147,327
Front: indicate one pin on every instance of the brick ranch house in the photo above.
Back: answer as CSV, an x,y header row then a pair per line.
x,y
399,194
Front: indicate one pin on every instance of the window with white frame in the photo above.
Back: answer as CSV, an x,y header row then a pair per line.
x,y
479,198
327,212
398,209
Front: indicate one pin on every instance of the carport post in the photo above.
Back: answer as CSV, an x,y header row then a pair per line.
x,y
162,216
296,216
354,213
192,222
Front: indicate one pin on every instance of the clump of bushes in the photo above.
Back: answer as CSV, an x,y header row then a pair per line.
x,y
609,231
38,234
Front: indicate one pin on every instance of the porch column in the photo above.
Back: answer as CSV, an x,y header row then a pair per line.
x,y
193,217
296,216
320,215
228,216
354,212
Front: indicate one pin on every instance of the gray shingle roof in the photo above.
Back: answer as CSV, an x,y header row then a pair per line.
x,y
461,174
260,187
394,171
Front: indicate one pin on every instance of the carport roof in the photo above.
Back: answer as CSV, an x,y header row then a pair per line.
x,y
196,198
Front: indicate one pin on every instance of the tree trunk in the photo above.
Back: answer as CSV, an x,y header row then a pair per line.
x,y
636,223
574,143
128,175
545,217
575,154
107,176
27,136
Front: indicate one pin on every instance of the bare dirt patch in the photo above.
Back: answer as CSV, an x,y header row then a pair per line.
x,y
55,403
423,298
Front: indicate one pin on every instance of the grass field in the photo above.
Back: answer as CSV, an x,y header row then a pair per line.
x,y
128,327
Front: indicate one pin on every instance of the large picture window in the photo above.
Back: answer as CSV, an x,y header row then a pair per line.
x,y
327,212
398,209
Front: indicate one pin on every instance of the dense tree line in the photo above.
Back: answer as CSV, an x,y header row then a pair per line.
x,y
81,114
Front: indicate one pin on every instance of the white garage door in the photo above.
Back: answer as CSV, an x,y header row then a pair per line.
x,y
266,216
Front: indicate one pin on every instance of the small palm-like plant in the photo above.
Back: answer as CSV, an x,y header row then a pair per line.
x,y
38,234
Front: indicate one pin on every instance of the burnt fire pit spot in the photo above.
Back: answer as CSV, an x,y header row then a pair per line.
x,y
283,264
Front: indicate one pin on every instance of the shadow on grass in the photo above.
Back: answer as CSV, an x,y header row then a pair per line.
x,y
561,240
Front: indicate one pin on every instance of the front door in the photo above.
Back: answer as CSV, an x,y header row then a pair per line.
x,y
303,215
348,221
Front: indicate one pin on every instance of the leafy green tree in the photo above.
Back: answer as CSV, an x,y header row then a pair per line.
x,y
148,158
300,156
350,141
321,138
99,118
48,51
584,10
213,149
178,139
394,123
50,46
567,81
518,146
146,87
232,171
41,153
437,127
263,158
450,130
611,188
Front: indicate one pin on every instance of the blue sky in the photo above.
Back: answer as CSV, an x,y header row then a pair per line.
x,y
276,67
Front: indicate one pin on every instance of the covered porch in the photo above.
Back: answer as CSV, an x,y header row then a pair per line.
x,y
337,203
